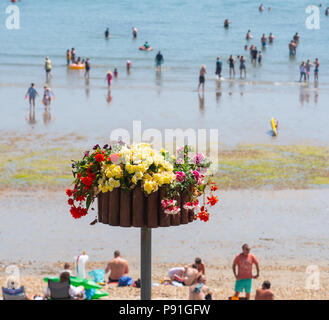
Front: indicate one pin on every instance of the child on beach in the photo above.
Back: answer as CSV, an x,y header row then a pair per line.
x,y
31,93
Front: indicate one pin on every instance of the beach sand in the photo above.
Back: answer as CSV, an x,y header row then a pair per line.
x,y
288,281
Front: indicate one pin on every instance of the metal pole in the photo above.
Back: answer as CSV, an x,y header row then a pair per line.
x,y
146,263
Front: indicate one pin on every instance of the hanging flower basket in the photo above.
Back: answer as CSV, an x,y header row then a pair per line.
x,y
136,186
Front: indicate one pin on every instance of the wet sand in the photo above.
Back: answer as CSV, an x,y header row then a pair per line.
x,y
288,225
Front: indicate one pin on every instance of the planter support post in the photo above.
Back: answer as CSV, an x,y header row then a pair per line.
x,y
146,263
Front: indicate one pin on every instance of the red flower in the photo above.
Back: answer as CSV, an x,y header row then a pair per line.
x,y
214,188
69,192
79,212
79,175
70,202
212,200
203,215
99,157
87,181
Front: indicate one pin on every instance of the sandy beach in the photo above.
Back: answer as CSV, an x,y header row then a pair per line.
x,y
288,281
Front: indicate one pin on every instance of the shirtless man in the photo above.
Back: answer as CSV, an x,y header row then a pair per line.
x,y
296,38
292,48
261,8
200,266
202,77
249,36
271,37
264,293
118,267
227,23
189,276
199,291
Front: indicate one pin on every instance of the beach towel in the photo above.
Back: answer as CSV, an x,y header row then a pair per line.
x,y
97,275
125,281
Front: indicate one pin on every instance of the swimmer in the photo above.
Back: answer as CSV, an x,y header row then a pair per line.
x,y
135,32
115,72
227,23
107,33
271,37
296,38
249,36
292,48
246,48
254,53
146,45
263,40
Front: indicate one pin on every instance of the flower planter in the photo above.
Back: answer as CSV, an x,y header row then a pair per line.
x,y
135,209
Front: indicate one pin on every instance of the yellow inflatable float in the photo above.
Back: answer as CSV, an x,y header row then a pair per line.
x,y
74,66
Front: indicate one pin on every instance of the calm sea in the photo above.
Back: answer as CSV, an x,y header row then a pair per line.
x,y
189,34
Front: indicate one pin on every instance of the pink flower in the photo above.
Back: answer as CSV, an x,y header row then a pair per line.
x,y
114,157
196,175
180,176
180,161
198,158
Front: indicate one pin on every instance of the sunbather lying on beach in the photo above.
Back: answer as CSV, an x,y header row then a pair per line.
x,y
200,291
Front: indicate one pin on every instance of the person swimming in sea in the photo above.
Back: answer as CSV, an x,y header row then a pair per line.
x,y
227,23
135,32
248,35
107,33
146,45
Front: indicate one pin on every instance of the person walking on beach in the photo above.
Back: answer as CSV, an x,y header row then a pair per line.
x,y
231,62
243,67
302,70
202,77
244,262
200,291
48,68
31,93
109,78
118,267
159,60
264,293
219,65
316,69
134,32
87,68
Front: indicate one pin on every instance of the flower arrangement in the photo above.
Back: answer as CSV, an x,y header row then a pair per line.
x,y
139,165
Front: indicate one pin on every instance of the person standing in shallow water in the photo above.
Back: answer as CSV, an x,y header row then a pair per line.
x,y
48,68
32,94
134,32
218,71
202,77
87,68
316,69
109,78
227,23
107,33
243,67
231,62
159,60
